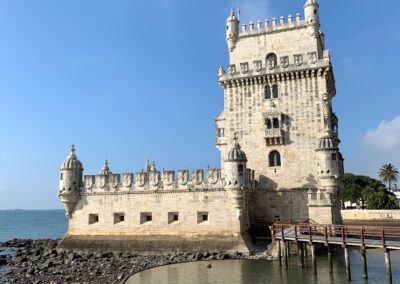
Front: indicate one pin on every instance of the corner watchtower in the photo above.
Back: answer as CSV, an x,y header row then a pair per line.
x,y
311,12
232,30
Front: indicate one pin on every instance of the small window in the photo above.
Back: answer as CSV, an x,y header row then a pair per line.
x,y
315,12
274,159
272,60
275,91
146,217
267,92
202,217
93,218
119,217
227,27
221,132
240,168
173,217
276,123
333,157
268,123
61,176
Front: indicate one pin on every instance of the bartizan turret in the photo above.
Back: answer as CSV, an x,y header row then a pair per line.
x,y
232,31
235,167
311,11
70,182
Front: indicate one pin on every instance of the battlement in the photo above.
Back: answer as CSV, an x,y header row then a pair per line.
x,y
273,25
154,180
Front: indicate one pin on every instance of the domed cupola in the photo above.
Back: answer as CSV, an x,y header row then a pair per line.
x,y
327,142
70,181
105,170
236,154
72,161
235,166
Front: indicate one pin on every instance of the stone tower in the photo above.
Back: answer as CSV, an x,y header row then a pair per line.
x,y
278,91
70,181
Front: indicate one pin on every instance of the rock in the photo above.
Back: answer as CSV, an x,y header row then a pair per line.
x,y
120,276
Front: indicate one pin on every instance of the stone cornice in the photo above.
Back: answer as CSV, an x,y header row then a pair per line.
x,y
149,192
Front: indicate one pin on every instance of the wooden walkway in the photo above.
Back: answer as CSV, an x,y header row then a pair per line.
x,y
386,238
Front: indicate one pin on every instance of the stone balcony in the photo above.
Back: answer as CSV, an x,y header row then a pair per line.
x,y
273,136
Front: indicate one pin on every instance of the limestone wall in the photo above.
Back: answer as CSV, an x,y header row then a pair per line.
x,y
371,215
189,206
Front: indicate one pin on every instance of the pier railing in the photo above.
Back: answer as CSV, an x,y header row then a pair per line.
x,y
373,236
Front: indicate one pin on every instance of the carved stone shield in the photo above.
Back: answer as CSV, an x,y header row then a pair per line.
x,y
89,181
270,63
168,177
312,57
183,177
197,176
232,69
213,175
155,178
101,180
127,179
284,61
140,179
244,67
114,180
298,59
257,65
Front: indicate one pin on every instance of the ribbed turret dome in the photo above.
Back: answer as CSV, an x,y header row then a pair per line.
x,y
231,16
327,142
105,170
72,161
311,2
236,154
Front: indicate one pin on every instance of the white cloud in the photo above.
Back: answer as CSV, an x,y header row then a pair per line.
x,y
386,138
377,147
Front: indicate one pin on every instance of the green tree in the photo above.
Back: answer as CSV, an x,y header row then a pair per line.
x,y
388,173
368,190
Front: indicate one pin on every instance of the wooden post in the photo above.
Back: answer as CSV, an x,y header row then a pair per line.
x,y
347,259
305,252
314,259
300,254
279,253
364,263
388,267
285,257
330,258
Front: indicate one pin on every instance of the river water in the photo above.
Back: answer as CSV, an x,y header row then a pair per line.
x,y
261,271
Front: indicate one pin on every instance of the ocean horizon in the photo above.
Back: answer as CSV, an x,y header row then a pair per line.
x,y
32,224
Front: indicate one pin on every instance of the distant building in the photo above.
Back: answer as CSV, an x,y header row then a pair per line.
x,y
278,139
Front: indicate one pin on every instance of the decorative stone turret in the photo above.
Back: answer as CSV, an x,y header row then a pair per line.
x,y
311,11
232,30
235,166
70,182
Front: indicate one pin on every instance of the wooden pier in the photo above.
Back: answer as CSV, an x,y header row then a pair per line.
x,y
386,238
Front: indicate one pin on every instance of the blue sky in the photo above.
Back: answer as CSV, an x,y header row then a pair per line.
x,y
126,80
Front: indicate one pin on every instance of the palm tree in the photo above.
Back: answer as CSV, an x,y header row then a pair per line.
x,y
388,173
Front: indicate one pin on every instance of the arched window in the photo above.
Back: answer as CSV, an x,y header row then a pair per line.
x,y
267,92
240,168
268,123
274,159
272,60
275,91
276,123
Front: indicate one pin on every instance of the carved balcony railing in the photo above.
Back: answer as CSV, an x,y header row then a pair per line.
x,y
274,136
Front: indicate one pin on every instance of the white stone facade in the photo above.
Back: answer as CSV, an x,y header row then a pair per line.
x,y
278,90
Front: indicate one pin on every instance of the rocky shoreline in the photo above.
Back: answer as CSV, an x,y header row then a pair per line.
x,y
39,261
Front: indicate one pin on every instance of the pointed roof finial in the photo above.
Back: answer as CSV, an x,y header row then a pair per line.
x,y
73,148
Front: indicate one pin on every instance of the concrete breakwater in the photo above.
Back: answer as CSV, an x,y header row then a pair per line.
x,y
39,261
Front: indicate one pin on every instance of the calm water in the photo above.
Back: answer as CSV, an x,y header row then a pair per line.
x,y
260,271
32,224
